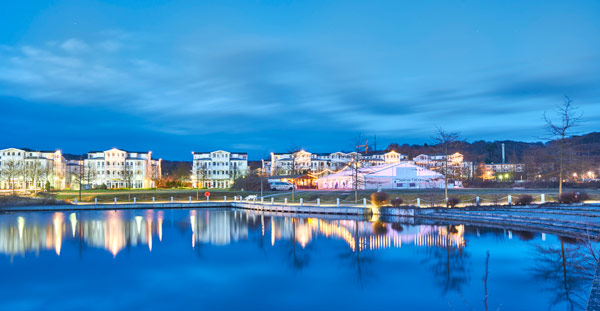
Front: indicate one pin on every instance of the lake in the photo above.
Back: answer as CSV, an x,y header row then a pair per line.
x,y
235,259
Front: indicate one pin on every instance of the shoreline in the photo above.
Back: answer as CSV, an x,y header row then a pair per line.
x,y
562,219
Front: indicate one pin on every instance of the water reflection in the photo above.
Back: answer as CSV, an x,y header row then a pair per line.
x,y
404,259
111,231
115,230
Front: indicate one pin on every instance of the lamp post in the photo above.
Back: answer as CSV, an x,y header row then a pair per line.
x,y
261,182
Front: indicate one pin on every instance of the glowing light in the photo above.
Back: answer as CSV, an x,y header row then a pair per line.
x,y
159,223
149,218
138,224
57,222
114,232
272,232
21,226
73,220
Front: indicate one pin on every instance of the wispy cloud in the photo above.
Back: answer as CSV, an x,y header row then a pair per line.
x,y
268,91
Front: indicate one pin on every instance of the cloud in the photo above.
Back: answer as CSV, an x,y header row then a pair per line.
x,y
74,46
242,94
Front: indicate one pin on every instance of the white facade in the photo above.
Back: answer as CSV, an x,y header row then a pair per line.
x,y
26,169
505,167
218,169
118,168
456,164
305,162
402,175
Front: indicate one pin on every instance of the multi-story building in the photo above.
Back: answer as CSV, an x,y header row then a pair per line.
x,y
218,169
456,165
118,168
31,169
504,171
305,162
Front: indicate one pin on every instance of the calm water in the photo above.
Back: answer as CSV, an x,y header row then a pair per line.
x,y
226,259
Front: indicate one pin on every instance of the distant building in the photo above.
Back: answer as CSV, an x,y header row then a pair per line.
x,y
456,166
402,175
31,169
504,171
305,162
218,169
117,168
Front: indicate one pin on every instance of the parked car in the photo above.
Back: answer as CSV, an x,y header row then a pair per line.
x,y
279,185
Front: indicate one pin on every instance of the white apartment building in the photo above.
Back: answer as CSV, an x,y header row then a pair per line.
x,y
305,162
118,168
218,169
505,167
456,164
27,169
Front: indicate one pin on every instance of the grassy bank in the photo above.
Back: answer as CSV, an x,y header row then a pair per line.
x,y
427,196
15,200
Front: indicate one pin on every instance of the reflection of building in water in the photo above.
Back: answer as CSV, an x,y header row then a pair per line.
x,y
218,227
303,230
111,232
21,237
115,230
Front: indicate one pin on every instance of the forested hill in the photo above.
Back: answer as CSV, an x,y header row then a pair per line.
x,y
587,146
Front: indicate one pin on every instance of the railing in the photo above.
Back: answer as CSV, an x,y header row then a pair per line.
x,y
364,202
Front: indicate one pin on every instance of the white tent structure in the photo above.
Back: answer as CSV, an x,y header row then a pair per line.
x,y
404,175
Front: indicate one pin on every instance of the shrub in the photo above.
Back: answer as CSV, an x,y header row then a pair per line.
x,y
397,226
524,199
396,202
101,187
573,197
452,201
583,196
525,235
379,198
379,228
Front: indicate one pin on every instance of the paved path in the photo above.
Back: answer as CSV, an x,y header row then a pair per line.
x,y
594,300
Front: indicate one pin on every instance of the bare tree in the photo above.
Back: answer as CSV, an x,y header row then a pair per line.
x,y
154,176
293,166
36,172
90,173
200,173
569,119
84,175
356,163
12,169
446,140
78,176
128,174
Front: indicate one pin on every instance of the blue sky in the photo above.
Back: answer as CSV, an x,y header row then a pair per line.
x,y
260,76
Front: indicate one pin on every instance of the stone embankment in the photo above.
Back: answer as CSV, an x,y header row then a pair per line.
x,y
575,219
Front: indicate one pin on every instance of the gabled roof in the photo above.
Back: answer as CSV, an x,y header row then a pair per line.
x,y
119,149
195,152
